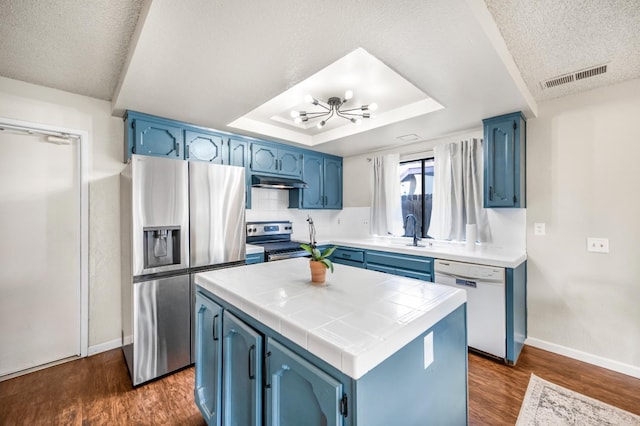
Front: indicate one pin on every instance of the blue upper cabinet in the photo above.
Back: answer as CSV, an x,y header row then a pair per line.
x,y
208,377
201,146
239,153
504,161
239,156
299,392
323,175
332,183
267,158
313,175
156,138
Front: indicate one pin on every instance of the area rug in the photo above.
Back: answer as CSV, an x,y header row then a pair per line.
x,y
547,404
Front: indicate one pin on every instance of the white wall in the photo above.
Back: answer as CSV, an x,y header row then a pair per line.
x,y
583,157
28,102
507,225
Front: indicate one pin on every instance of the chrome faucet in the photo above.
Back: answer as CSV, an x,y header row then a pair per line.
x,y
415,222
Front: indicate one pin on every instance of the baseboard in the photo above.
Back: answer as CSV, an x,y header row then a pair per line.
x,y
620,367
103,347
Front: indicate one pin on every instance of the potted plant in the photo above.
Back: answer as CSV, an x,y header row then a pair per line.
x,y
319,262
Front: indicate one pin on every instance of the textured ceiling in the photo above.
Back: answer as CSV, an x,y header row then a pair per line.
x,y
74,45
548,38
211,62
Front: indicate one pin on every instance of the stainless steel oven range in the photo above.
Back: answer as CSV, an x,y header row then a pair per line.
x,y
275,238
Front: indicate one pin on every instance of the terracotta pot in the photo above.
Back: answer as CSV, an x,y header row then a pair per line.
x,y
318,271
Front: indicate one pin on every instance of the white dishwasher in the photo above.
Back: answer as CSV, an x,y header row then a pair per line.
x,y
486,309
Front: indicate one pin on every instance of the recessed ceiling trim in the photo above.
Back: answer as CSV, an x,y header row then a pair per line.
x,y
367,77
266,129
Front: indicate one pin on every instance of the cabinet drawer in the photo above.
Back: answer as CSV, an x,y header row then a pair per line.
x,y
255,258
381,268
424,276
349,263
400,261
349,254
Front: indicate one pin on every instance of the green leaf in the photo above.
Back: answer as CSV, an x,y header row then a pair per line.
x,y
316,255
328,251
328,264
307,247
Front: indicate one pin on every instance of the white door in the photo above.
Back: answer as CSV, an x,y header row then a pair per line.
x,y
39,251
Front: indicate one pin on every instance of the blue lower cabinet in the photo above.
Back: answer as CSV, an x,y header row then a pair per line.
x,y
242,373
208,376
254,258
247,374
516,311
299,393
418,267
349,256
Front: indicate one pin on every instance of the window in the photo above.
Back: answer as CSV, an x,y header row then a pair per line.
x,y
416,189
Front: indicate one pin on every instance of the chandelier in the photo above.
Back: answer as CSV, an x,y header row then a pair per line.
x,y
333,107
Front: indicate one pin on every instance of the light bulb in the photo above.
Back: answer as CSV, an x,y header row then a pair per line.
x,y
321,124
295,114
308,98
297,120
373,106
348,95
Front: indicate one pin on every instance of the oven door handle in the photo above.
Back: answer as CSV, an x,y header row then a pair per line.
x,y
282,256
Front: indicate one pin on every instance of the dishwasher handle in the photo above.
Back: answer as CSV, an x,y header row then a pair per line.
x,y
466,283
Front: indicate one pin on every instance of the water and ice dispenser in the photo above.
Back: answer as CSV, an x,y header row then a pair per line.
x,y
161,246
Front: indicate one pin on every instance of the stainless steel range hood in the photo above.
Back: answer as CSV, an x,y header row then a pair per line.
x,y
278,182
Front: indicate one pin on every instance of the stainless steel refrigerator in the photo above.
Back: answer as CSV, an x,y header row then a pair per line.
x,y
177,218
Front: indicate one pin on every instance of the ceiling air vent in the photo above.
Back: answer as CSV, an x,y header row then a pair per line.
x,y
591,72
574,76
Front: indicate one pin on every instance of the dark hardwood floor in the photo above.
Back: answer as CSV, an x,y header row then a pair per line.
x,y
97,391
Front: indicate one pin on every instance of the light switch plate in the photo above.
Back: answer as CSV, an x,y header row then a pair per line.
x,y
539,229
598,245
428,350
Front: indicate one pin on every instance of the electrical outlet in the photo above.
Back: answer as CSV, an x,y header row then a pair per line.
x,y
428,350
539,229
598,245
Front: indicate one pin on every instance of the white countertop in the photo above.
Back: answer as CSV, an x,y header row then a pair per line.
x,y
481,254
354,322
251,249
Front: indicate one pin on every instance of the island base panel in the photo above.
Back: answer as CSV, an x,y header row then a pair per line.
x,y
402,391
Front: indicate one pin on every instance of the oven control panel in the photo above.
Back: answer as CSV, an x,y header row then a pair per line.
x,y
257,229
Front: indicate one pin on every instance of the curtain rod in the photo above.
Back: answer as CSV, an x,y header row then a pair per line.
x,y
407,153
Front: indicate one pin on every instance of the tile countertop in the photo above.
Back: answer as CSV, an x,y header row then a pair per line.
x,y
354,322
481,254
251,249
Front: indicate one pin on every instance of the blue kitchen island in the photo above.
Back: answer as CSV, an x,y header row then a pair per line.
x,y
367,348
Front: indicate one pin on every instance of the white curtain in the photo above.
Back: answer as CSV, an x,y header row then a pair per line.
x,y
457,192
386,208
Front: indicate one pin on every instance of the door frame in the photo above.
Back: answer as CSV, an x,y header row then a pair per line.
x,y
82,148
